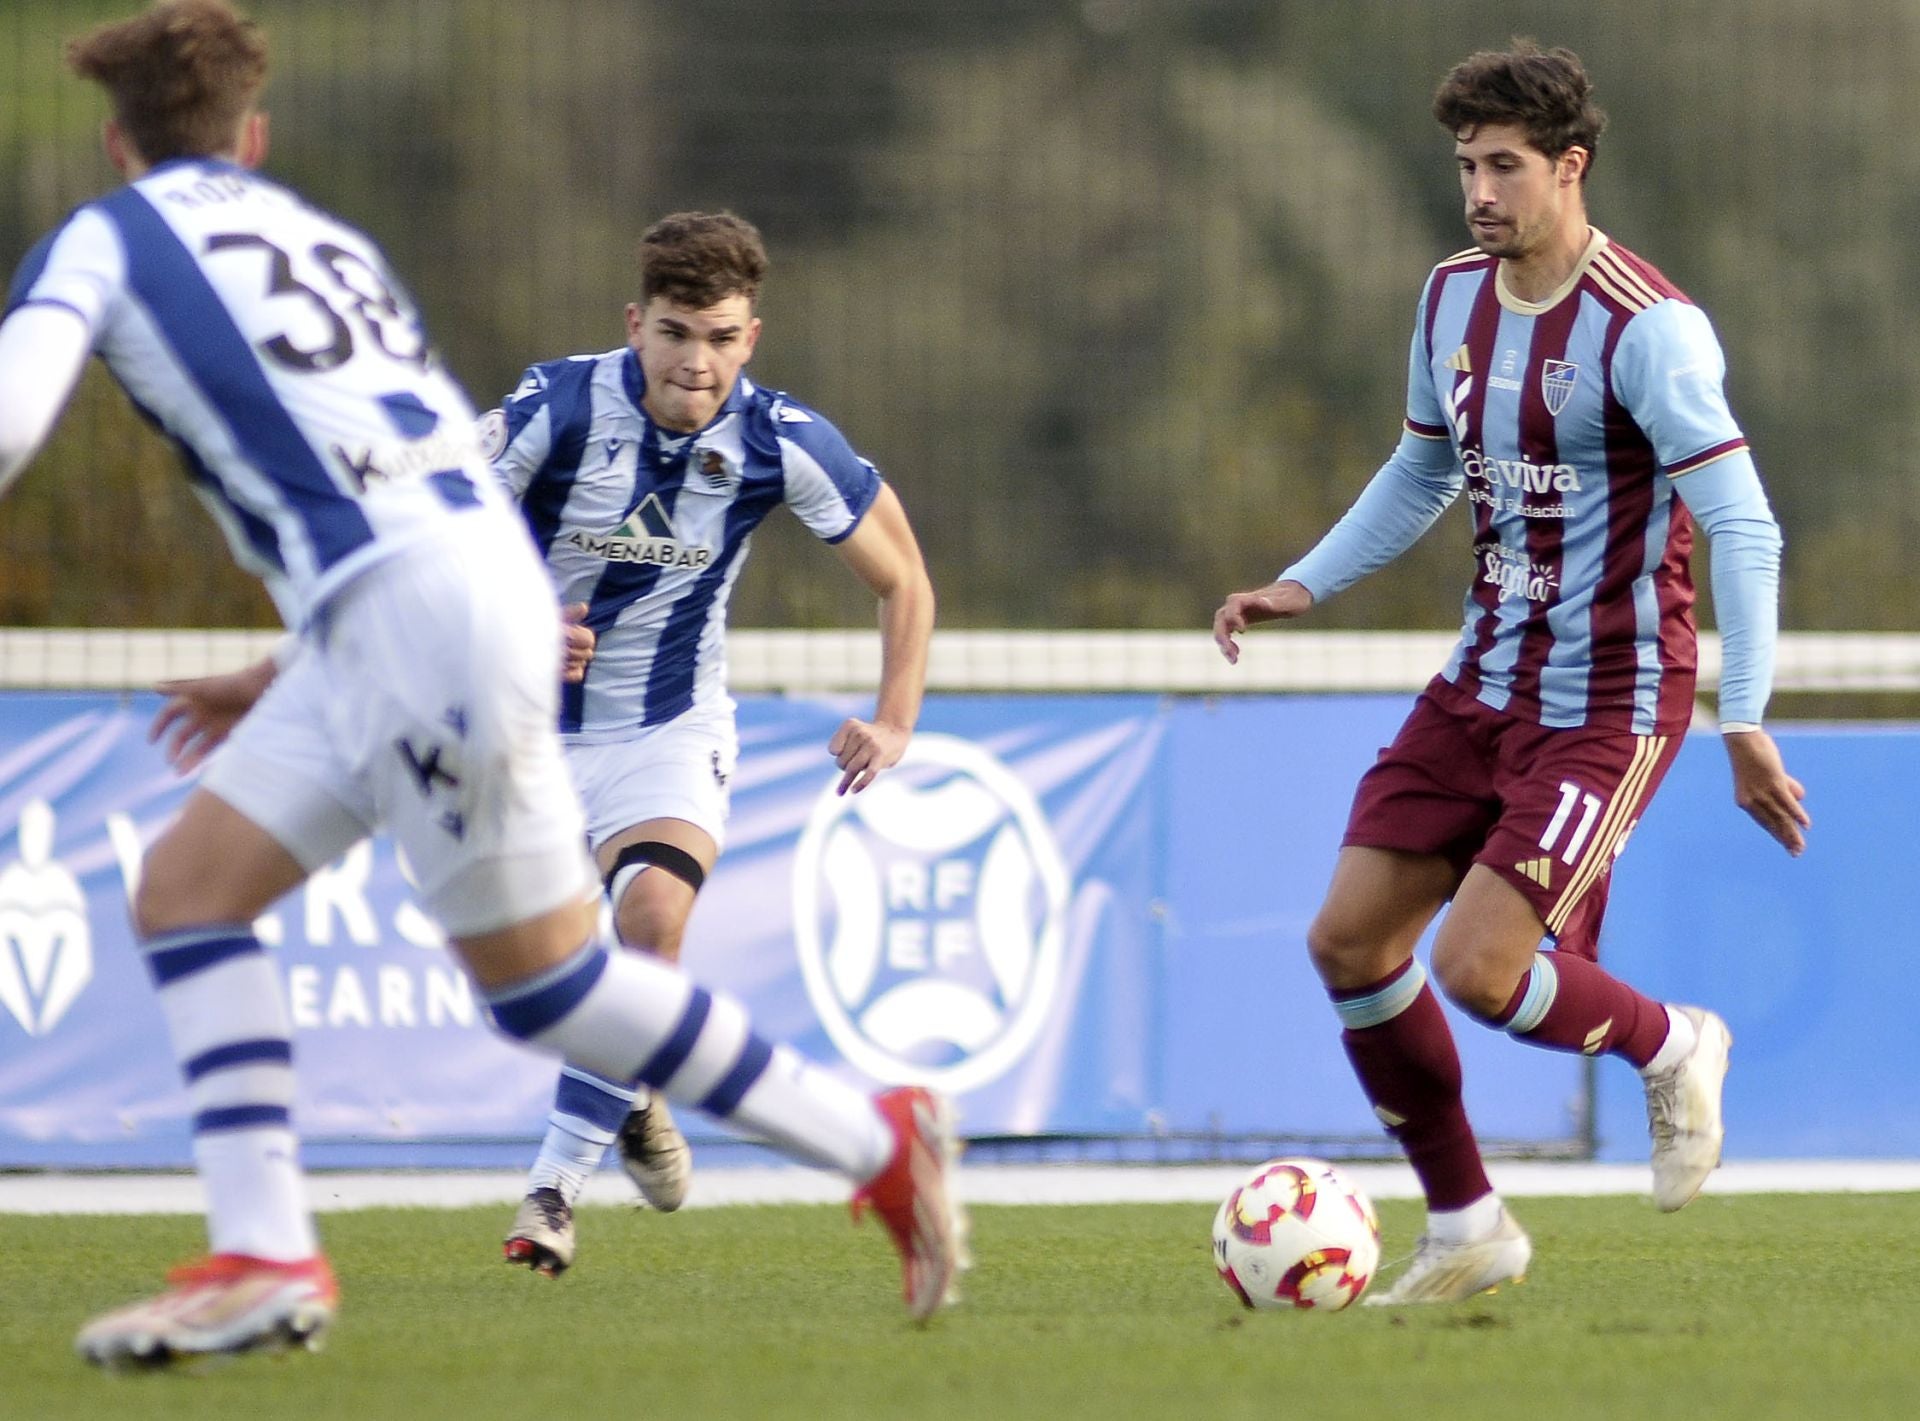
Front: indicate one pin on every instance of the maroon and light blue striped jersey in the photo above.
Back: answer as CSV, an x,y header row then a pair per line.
x,y
1570,420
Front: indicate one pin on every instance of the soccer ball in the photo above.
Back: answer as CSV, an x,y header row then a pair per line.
x,y
1298,1233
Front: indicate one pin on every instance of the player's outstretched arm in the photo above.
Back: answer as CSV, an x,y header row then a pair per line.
x,y
42,351
1762,787
884,554
201,712
1277,601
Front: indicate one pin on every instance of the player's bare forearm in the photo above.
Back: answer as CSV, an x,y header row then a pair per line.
x,y
906,631
1277,601
862,749
1764,789
885,555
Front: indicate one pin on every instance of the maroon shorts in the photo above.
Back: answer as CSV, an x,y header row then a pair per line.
x,y
1548,810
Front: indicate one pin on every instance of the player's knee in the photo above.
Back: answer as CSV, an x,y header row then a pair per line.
x,y
149,909
1344,954
652,887
1468,980
165,899
652,914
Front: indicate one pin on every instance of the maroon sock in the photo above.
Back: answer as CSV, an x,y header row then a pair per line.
x,y
1402,1050
1576,1005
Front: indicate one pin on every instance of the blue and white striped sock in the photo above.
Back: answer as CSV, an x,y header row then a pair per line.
x,y
586,1118
627,1016
232,1037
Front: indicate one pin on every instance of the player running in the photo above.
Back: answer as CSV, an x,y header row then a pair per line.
x,y
642,473
1574,394
272,344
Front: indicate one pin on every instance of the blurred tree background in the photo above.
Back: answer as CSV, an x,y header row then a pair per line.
x,y
1116,292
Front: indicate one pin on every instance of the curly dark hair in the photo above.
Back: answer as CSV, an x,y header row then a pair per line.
x,y
1544,91
696,259
182,75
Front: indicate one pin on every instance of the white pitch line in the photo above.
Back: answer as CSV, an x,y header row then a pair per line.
x,y
52,1193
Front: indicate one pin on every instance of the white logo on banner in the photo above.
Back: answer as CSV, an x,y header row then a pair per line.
x,y
46,948
930,917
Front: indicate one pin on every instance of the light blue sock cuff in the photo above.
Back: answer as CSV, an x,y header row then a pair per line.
x,y
1543,985
1358,1013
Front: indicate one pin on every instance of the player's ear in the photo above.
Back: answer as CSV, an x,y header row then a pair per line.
x,y
1573,165
753,336
119,151
252,151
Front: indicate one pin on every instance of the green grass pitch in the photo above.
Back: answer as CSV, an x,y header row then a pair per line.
x,y
1803,1306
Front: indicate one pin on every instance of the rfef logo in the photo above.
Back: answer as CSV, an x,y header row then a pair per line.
x,y
930,917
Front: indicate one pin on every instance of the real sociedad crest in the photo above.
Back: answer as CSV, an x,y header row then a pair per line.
x,y
930,917
1556,383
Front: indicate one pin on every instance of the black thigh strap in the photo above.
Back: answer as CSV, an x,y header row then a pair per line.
x,y
676,861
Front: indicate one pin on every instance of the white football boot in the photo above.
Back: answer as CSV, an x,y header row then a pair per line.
x,y
655,1156
1450,1272
219,1306
914,1199
542,1234
1683,1113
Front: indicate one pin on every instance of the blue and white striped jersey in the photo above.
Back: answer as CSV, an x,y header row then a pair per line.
x,y
650,528
271,342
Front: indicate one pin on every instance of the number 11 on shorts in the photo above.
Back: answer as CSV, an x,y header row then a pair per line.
x,y
1570,795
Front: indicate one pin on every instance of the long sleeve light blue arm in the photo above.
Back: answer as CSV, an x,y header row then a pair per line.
x,y
1398,504
1727,501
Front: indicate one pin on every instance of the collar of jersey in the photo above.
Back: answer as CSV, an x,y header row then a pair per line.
x,y
1596,239
211,164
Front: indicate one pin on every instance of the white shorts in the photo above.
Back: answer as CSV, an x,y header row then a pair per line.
x,y
425,704
679,770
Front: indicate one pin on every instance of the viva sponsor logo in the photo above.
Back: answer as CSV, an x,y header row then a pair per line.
x,y
1521,474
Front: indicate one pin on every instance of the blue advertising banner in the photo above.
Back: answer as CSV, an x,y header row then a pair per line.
x,y
1810,959
1258,790
1078,914
980,919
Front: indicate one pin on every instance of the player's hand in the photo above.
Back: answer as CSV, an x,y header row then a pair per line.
x,y
201,712
863,749
577,643
1272,603
1762,787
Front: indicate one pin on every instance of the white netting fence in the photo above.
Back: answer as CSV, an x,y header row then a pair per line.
x,y
802,662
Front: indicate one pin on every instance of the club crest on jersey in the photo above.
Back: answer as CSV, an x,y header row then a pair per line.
x,y
645,537
493,434
713,468
1556,383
